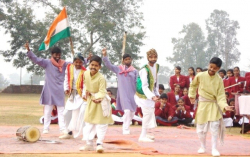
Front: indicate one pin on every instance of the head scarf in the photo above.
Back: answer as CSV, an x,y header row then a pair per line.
x,y
78,55
152,52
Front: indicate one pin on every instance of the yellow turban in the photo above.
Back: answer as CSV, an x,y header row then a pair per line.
x,y
152,52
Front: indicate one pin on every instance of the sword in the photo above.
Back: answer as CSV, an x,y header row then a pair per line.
x,y
124,43
235,84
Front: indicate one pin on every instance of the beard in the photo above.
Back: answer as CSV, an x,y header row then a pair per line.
x,y
56,59
152,62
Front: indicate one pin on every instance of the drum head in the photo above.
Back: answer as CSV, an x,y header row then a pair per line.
x,y
32,134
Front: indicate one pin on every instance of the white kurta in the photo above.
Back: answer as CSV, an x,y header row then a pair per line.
x,y
74,101
149,94
75,106
148,105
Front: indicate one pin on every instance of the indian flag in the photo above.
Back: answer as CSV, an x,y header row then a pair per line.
x,y
57,31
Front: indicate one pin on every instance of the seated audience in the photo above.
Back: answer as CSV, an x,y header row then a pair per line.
x,y
173,96
182,112
116,114
164,113
161,89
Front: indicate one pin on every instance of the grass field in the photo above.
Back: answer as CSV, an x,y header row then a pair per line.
x,y
24,109
19,109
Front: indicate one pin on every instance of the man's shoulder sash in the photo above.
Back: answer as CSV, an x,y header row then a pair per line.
x,y
150,78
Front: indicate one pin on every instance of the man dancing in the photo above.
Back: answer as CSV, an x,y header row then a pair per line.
x,y
126,75
52,93
147,94
212,102
75,106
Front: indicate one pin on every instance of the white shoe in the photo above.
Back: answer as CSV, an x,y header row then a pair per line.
x,y
215,152
145,139
66,136
201,150
64,132
150,137
99,149
126,132
87,147
45,131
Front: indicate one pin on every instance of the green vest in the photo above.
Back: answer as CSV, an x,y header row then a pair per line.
x,y
139,91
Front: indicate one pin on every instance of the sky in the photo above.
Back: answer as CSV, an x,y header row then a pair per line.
x,y
164,19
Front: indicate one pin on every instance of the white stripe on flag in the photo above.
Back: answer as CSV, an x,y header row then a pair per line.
x,y
61,25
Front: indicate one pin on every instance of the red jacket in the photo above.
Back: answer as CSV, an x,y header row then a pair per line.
x,y
181,82
138,112
226,82
247,83
227,114
247,74
188,81
238,88
182,115
171,98
165,112
114,111
188,103
112,101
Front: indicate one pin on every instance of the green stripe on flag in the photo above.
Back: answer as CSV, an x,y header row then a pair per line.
x,y
113,106
61,35
42,47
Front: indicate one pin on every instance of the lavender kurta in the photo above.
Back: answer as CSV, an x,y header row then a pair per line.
x,y
126,87
53,92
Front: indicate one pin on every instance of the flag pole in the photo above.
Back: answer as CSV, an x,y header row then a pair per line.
x,y
124,43
71,46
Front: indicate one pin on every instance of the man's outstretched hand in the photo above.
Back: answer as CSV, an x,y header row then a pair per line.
x,y
104,51
27,46
229,108
89,56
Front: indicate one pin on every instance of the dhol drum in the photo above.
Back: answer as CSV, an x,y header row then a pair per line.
x,y
28,134
244,107
241,104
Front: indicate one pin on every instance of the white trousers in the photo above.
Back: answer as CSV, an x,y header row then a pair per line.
x,y
127,117
148,119
71,117
116,118
246,120
47,117
137,118
202,130
228,122
90,130
120,119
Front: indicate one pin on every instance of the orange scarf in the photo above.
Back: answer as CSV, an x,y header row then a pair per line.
x,y
79,82
58,64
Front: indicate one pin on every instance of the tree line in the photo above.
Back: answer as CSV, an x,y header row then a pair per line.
x,y
95,24
195,50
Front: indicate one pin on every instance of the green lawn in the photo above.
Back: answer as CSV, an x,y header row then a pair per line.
x,y
20,109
